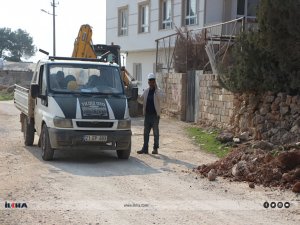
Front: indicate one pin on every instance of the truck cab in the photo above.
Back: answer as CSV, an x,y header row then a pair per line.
x,y
78,104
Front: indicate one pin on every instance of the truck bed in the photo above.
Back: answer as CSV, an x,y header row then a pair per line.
x,y
21,99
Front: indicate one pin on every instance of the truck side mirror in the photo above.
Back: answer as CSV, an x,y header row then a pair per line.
x,y
34,90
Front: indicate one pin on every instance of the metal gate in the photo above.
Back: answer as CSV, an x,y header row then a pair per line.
x,y
192,96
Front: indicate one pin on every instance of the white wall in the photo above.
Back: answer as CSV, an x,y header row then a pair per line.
x,y
214,11
234,9
143,41
147,59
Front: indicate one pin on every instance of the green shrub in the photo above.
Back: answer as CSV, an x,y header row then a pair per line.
x,y
4,96
267,59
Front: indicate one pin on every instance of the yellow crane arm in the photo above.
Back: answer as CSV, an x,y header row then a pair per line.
x,y
83,46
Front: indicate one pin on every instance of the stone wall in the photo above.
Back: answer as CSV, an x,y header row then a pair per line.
x,y
19,66
11,77
215,103
174,87
273,117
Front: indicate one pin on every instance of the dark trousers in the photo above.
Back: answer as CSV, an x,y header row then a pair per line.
x,y
151,121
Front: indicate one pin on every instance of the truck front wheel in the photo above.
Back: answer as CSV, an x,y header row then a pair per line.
x,y
47,151
124,154
28,131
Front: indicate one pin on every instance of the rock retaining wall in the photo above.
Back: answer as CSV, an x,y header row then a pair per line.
x,y
273,117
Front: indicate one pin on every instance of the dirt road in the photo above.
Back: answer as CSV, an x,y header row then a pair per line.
x,y
89,187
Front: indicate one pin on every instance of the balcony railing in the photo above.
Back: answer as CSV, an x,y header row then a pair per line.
x,y
218,38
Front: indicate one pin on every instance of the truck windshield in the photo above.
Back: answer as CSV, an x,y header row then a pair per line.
x,y
85,78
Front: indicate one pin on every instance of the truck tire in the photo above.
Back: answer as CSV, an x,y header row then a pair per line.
x,y
47,151
28,131
124,154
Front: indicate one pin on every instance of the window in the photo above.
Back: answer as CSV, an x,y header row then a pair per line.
x,y
247,8
165,14
189,12
85,78
144,17
43,81
123,21
252,7
137,71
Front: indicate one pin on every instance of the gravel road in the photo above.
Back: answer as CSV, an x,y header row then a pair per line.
x,y
94,187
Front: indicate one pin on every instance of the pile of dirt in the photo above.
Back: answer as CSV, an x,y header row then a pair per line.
x,y
277,168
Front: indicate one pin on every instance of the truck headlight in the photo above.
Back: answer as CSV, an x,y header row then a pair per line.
x,y
62,123
124,124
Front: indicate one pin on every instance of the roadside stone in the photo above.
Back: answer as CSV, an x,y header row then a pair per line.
x,y
264,145
251,185
225,137
296,188
289,160
297,173
277,175
287,177
244,136
236,140
212,175
240,169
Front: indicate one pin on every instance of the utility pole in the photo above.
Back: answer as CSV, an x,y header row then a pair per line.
x,y
53,4
54,37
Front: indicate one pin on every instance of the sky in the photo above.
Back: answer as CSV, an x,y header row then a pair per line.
x,y
27,15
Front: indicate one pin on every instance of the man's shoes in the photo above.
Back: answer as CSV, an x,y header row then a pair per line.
x,y
142,151
154,151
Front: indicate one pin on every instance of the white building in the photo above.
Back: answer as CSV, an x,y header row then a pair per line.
x,y
136,24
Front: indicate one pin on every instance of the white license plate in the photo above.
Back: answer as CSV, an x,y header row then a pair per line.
x,y
95,138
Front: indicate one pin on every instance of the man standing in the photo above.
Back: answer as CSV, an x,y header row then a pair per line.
x,y
151,108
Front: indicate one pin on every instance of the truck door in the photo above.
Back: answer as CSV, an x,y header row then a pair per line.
x,y
42,99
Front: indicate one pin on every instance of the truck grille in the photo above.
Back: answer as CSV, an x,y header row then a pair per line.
x,y
95,124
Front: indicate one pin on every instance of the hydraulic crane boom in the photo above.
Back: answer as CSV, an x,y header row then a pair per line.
x,y
83,46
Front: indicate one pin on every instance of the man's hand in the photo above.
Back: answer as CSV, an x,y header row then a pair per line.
x,y
140,99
